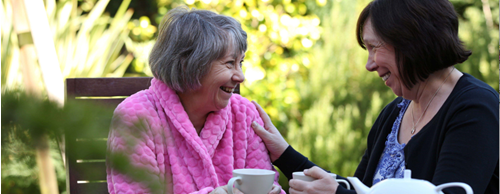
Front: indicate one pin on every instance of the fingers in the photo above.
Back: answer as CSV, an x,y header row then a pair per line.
x,y
219,190
236,191
261,132
297,186
223,190
263,114
316,173
275,190
293,191
324,182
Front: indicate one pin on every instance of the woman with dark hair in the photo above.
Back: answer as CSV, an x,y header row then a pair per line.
x,y
188,130
443,125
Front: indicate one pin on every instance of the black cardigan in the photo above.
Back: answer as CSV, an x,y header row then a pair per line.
x,y
460,144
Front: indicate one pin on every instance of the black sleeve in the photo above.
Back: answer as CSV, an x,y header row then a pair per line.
x,y
292,161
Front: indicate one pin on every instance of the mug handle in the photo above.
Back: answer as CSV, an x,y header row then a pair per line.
x,y
231,183
466,187
345,182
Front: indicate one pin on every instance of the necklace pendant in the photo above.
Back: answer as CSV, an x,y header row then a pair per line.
x,y
413,130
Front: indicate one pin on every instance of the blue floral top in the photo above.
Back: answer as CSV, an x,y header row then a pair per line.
x,y
392,161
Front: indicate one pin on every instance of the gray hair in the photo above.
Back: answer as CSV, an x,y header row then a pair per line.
x,y
189,41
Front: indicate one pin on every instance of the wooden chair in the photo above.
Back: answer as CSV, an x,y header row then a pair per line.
x,y
86,167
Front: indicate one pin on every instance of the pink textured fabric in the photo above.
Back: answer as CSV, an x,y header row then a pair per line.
x,y
167,145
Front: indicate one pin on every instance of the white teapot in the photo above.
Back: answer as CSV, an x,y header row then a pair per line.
x,y
406,185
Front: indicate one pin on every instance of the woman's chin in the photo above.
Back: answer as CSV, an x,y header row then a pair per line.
x,y
397,91
222,104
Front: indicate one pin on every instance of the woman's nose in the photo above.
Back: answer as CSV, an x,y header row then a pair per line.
x,y
238,76
370,64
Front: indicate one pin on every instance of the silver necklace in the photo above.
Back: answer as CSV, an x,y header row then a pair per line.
x,y
421,116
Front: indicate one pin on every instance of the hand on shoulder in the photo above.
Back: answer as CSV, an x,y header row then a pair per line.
x,y
275,143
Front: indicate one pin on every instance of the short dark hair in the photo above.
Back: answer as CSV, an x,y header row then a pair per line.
x,y
424,34
189,41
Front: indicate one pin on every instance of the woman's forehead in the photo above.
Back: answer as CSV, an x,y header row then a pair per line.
x,y
369,35
234,54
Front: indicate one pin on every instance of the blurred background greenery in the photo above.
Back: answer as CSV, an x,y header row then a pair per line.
x,y
303,65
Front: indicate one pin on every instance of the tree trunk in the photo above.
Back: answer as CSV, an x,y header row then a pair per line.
x,y
46,171
27,52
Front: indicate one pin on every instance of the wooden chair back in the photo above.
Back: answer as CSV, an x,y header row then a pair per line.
x,y
85,167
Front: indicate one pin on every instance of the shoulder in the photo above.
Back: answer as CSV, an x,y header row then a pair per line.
x,y
472,105
242,105
135,117
470,90
237,99
244,113
136,105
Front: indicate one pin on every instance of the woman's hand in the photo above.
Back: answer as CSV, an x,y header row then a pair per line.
x,y
223,190
275,190
324,183
275,143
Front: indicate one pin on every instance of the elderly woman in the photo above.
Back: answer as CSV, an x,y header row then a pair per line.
x,y
444,123
188,130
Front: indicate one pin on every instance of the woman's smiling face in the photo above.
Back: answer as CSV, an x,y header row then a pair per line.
x,y
382,59
218,85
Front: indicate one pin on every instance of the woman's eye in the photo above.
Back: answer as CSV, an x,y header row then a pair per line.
x,y
374,47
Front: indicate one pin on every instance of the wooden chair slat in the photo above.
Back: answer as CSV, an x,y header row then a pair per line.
x,y
108,102
107,86
89,150
91,171
90,188
90,133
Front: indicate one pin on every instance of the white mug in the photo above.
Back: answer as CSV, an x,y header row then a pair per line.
x,y
302,176
252,181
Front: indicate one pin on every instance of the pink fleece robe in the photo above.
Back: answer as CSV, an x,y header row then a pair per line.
x,y
167,145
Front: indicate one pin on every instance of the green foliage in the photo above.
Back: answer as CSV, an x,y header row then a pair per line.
x,y
479,31
24,120
27,118
9,46
19,168
88,44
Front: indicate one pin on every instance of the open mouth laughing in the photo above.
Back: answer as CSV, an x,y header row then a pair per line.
x,y
226,89
386,76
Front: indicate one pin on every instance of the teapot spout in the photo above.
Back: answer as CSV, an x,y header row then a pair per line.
x,y
358,185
